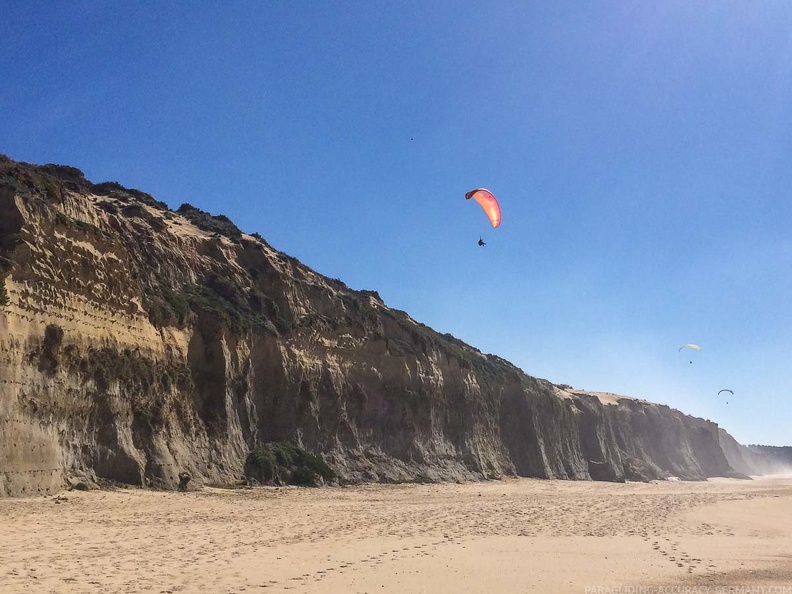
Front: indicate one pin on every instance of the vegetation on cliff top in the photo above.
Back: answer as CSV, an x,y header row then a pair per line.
x,y
116,190
219,224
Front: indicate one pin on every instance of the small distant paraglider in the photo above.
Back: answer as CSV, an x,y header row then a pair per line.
x,y
489,204
695,347
726,390
690,346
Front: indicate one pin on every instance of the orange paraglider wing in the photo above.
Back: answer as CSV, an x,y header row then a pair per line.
x,y
488,202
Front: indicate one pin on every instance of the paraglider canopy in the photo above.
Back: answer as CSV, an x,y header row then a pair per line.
x,y
690,346
727,390
488,202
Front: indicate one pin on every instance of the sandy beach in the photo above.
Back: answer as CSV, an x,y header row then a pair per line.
x,y
515,535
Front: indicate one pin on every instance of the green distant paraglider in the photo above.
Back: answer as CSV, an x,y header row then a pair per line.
x,y
695,347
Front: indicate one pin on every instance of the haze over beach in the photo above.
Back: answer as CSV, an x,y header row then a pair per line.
x,y
640,153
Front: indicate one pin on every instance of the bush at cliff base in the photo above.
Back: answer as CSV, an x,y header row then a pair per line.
x,y
281,463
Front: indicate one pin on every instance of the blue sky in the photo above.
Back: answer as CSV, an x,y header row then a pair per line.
x,y
640,152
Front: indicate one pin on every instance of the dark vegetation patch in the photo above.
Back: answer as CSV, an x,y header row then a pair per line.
x,y
3,293
148,384
108,207
281,463
71,177
203,298
49,358
241,309
219,224
133,210
235,313
50,180
116,190
8,241
360,308
29,181
165,305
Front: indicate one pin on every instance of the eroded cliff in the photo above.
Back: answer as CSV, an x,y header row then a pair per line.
x,y
138,342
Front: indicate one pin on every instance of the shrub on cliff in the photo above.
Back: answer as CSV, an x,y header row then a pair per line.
x,y
240,309
283,463
237,318
165,306
219,224
116,190
3,293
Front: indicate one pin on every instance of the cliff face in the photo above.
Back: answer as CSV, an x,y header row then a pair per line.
x,y
138,342
756,459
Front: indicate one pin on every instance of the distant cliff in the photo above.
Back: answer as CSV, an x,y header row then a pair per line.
x,y
137,342
756,459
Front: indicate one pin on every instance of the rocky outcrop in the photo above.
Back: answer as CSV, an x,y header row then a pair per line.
x,y
140,343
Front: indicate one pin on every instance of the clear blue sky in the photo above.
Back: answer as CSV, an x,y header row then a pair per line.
x,y
641,152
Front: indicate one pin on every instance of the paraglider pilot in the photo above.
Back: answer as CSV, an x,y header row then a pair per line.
x,y
481,242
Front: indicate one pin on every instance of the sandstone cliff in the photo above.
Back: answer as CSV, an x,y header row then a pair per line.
x,y
138,342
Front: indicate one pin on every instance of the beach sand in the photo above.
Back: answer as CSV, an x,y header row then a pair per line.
x,y
514,535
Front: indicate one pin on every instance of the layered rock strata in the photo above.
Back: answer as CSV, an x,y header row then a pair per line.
x,y
138,342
